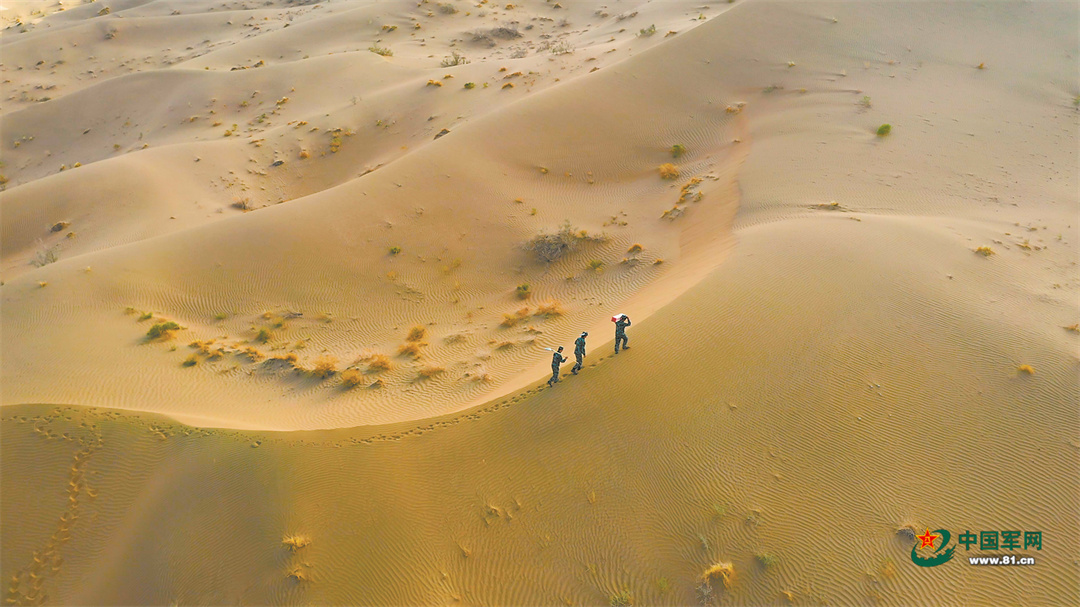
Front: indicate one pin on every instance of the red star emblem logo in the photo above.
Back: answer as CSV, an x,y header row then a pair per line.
x,y
927,539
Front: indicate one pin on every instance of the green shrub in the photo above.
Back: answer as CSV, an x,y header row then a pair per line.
x,y
884,130
677,150
523,291
394,250
162,330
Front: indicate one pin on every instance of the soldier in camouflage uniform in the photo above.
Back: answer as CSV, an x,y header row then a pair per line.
x,y
579,352
556,360
620,333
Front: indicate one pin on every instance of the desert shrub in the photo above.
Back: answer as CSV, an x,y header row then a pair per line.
x,y
262,336
411,349
190,361
766,559
550,307
430,371
596,265
296,542
325,366
884,130
252,354
416,334
289,357
455,58
984,251
146,316
381,50
668,171
1026,369
720,571
44,257
865,102
351,378
549,246
470,85
635,249
447,9
523,291
394,250
677,150
562,48
508,85
509,320
163,330
647,31
379,362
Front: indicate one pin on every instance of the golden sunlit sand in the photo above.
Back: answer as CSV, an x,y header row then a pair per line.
x,y
280,282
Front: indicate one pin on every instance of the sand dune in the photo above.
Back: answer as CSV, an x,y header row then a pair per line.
x,y
839,336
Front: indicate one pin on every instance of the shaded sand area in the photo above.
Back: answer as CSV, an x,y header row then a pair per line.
x,y
839,338
787,444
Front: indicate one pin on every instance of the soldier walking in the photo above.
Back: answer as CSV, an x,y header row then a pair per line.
x,y
621,322
579,352
556,360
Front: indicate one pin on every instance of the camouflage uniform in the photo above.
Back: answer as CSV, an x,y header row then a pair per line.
x,y
579,354
620,333
556,360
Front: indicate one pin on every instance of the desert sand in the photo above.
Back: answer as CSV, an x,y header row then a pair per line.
x,y
843,334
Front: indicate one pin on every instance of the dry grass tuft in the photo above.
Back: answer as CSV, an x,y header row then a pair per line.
x,y
635,249
984,251
417,333
523,291
252,354
509,320
190,361
550,307
1026,369
1075,328
411,349
351,378
290,357
296,542
668,171
379,362
551,246
163,330
325,366
430,371
433,83
724,572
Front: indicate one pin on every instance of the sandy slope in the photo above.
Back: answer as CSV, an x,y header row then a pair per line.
x,y
812,441
821,358
450,205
